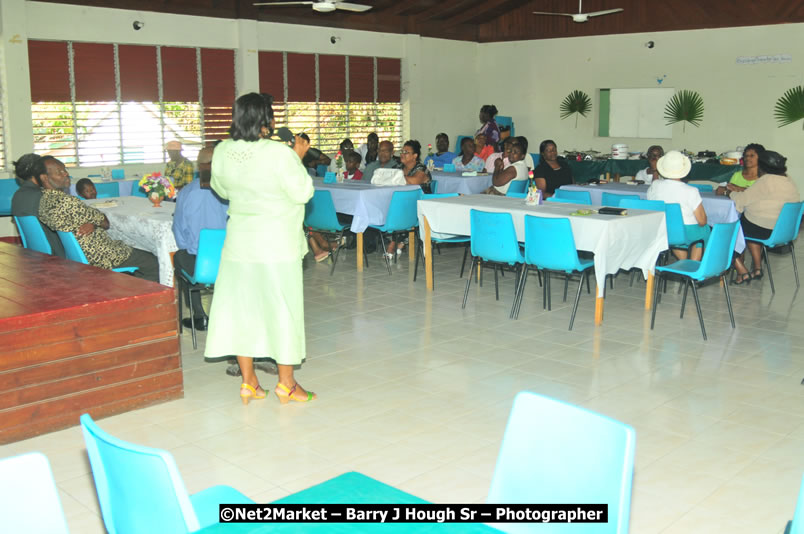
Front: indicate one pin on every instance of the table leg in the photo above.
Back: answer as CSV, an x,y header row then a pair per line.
x,y
599,308
411,246
428,254
649,292
359,252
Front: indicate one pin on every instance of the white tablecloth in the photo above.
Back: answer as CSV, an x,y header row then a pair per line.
x,y
719,209
617,242
368,204
453,182
137,223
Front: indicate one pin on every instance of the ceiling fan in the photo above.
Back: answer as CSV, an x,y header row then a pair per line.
x,y
321,6
580,16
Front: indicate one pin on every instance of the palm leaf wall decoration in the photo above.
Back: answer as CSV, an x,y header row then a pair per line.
x,y
685,107
576,103
790,107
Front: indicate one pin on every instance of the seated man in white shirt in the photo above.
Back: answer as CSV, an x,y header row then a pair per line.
x,y
647,175
674,166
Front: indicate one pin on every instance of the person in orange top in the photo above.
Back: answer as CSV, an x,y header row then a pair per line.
x,y
482,150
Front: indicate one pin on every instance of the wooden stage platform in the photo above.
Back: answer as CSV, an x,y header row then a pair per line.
x,y
77,339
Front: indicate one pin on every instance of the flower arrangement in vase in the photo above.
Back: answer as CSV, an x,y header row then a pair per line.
x,y
339,166
157,187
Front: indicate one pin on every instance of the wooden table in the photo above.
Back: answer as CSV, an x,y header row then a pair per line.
x,y
618,242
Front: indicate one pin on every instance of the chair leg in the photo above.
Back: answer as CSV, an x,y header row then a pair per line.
x,y
192,316
177,277
795,267
767,264
469,280
463,264
518,282
549,294
725,280
337,253
544,289
387,260
566,285
577,299
539,274
496,285
684,298
656,292
419,256
698,306
520,294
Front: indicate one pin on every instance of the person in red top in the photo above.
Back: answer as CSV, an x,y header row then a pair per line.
x,y
482,150
353,160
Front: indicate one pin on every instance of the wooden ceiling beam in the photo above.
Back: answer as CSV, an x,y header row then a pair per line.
x,y
446,7
469,15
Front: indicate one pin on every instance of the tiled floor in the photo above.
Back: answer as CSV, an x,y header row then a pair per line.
x,y
415,392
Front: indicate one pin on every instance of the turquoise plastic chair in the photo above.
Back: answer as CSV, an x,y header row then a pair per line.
x,y
640,204
577,197
32,235
796,526
517,186
402,216
321,170
553,452
8,187
516,195
535,156
29,499
784,232
320,215
207,262
703,188
505,121
493,239
137,191
437,240
140,490
613,199
74,252
554,254
458,142
434,187
715,262
107,189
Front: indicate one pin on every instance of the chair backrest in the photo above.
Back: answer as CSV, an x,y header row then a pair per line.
x,y
676,233
719,250
72,250
505,121
800,216
517,186
797,525
32,234
8,187
321,170
433,187
556,252
319,213
139,488
703,188
535,156
402,213
210,246
493,237
458,142
553,452
137,191
640,204
563,200
613,199
107,189
29,499
516,195
578,197
785,229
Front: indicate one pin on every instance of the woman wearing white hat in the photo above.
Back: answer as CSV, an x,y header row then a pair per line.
x,y
674,166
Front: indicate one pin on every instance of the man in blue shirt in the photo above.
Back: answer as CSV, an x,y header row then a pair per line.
x,y
197,207
442,155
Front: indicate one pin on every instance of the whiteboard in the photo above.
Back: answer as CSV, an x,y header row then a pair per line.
x,y
639,113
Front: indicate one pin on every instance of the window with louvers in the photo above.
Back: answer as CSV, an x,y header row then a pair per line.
x,y
97,104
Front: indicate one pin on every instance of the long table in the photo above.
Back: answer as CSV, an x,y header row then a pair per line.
x,y
584,171
719,209
134,221
633,241
456,182
368,205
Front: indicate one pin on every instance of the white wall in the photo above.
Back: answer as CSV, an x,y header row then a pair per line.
x,y
535,76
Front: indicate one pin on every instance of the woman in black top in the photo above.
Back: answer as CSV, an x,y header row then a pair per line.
x,y
551,172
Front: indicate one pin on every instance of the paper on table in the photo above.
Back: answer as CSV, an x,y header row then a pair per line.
x,y
106,204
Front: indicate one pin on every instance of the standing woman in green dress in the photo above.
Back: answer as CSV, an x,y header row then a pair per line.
x,y
258,306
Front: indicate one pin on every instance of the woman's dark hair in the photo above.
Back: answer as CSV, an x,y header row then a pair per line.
x,y
543,145
305,136
346,142
466,140
771,162
756,147
489,109
523,142
353,156
252,113
415,146
29,166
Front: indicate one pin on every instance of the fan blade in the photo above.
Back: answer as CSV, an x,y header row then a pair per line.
x,y
550,13
283,3
605,12
347,6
